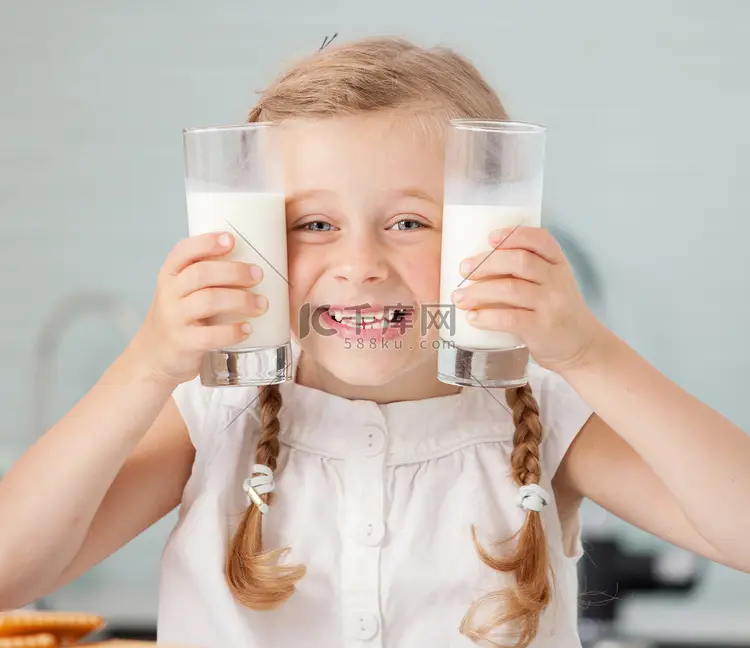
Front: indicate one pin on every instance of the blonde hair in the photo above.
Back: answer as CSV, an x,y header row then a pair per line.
x,y
429,86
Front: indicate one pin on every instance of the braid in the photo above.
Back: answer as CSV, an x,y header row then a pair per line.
x,y
524,459
267,450
524,604
255,578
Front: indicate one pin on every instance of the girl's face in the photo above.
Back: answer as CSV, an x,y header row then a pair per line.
x,y
364,209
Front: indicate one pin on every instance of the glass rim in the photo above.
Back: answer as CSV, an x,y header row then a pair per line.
x,y
249,126
497,126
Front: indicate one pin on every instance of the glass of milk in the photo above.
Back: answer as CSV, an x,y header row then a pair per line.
x,y
234,183
493,179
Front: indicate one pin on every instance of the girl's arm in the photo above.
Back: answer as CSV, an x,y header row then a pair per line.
x,y
118,461
73,499
657,457
674,466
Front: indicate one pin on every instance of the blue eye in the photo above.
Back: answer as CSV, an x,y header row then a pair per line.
x,y
408,224
320,226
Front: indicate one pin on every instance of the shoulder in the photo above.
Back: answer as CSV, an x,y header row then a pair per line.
x,y
203,409
562,411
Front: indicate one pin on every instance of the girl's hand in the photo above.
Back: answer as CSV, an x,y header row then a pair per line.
x,y
194,287
525,286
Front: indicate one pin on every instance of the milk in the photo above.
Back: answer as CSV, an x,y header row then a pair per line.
x,y
261,219
466,230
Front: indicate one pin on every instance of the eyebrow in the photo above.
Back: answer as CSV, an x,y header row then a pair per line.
x,y
307,193
415,192
408,192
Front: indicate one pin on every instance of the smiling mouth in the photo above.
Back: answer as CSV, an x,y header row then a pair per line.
x,y
358,318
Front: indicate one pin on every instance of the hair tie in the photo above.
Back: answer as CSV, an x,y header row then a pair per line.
x,y
259,484
533,497
327,41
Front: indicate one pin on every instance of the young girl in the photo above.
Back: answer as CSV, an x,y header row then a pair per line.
x,y
377,497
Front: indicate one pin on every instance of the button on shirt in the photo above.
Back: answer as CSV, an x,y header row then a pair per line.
x,y
378,502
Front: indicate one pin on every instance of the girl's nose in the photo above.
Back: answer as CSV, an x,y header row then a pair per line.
x,y
360,262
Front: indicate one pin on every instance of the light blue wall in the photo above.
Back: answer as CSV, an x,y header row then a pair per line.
x,y
647,173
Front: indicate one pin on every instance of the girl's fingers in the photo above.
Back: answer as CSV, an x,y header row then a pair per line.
x,y
207,338
506,320
506,291
210,302
197,248
517,263
214,274
534,239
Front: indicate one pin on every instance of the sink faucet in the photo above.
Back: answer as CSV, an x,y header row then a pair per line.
x,y
50,337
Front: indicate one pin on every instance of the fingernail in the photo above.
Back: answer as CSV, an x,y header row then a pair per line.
x,y
465,267
498,236
261,302
256,272
457,296
246,328
225,240
471,316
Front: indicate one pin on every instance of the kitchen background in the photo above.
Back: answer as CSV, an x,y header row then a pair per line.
x,y
646,186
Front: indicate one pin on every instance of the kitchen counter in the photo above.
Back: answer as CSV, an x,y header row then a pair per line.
x,y
659,618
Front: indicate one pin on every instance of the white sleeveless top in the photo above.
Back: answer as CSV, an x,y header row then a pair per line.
x,y
377,501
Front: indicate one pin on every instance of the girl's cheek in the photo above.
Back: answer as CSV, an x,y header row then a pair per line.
x,y
423,277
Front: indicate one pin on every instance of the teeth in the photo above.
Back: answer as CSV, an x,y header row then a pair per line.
x,y
378,320
352,324
354,320
341,315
